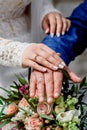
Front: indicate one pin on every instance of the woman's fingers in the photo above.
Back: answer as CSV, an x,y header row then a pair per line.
x,y
49,54
55,23
52,24
66,25
30,63
40,56
59,25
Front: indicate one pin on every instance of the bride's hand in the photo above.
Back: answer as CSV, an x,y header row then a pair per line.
x,y
40,57
55,23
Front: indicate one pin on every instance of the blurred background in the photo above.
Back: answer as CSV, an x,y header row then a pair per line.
x,y
79,65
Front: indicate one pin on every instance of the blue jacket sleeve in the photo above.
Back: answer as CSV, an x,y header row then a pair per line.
x,y
74,42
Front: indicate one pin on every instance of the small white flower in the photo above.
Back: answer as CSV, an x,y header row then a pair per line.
x,y
20,116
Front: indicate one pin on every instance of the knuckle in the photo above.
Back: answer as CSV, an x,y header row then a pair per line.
x,y
59,26
50,94
49,57
40,82
34,64
49,82
53,53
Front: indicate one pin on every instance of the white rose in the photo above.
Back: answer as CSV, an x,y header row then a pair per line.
x,y
67,116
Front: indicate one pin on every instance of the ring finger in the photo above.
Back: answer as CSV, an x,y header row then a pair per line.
x,y
51,57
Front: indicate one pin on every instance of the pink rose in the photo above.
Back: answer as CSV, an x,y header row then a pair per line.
x,y
11,109
44,108
33,123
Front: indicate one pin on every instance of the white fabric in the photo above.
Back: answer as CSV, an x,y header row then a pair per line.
x,y
16,25
11,52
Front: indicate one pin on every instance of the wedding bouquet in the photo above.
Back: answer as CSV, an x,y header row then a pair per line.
x,y
68,112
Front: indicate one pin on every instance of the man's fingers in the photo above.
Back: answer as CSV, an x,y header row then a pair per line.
x,y
40,85
32,85
49,86
58,79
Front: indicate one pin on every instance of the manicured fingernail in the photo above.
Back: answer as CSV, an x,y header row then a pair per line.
x,y
50,100
47,30
52,34
58,54
63,63
55,67
61,66
44,69
63,33
58,34
67,29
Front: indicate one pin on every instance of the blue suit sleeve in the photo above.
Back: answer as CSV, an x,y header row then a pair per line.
x,y
74,42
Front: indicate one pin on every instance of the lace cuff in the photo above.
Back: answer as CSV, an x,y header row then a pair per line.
x,y
11,52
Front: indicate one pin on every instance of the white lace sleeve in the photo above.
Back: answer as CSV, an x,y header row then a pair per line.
x,y
11,52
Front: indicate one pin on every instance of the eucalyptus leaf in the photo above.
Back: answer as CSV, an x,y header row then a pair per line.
x,y
46,117
4,123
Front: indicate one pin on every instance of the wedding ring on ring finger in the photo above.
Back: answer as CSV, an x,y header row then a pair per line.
x,y
62,65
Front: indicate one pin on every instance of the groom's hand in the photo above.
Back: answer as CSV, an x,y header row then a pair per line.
x,y
48,85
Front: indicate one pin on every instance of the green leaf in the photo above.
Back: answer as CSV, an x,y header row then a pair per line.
x,y
5,90
65,74
4,117
5,122
1,102
3,107
76,88
21,80
83,82
46,117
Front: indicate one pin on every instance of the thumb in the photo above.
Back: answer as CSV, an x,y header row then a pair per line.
x,y
73,76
